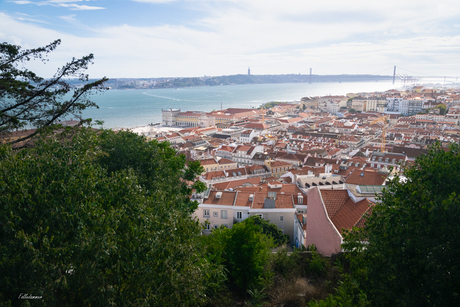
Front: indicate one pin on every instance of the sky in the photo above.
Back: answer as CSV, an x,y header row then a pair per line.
x,y
193,38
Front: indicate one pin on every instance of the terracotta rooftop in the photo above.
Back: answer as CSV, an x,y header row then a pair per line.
x,y
227,198
350,214
217,174
365,177
242,199
207,161
225,161
236,183
334,200
283,201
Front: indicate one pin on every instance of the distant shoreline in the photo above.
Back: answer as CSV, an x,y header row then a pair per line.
x,y
159,83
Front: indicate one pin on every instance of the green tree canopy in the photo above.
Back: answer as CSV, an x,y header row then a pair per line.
x,y
442,109
77,233
412,253
156,165
270,229
244,251
27,100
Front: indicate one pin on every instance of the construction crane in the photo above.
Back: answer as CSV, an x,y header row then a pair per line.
x,y
384,120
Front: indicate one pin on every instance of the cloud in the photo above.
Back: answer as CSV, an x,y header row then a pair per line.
x,y
63,3
154,1
31,20
269,36
22,2
76,7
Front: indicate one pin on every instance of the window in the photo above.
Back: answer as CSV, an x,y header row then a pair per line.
x,y
206,212
215,213
225,225
223,214
215,226
239,215
261,215
281,218
207,226
300,211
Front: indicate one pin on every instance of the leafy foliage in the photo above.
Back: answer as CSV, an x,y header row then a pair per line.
x,y
442,109
77,234
245,253
158,168
27,100
348,294
411,256
318,265
284,264
269,105
271,230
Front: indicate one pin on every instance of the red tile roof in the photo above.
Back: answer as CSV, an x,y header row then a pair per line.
x,y
350,214
227,198
366,177
334,200
236,183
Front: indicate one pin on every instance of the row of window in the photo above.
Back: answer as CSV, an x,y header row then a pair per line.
x,y
221,167
207,212
239,214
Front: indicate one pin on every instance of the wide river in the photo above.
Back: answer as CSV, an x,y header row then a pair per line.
x,y
133,108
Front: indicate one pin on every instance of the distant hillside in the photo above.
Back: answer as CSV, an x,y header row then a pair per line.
x,y
266,79
144,83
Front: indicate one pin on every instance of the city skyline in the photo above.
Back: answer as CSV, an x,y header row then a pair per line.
x,y
192,38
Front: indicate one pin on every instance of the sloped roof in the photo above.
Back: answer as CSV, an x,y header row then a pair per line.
x,y
225,161
236,183
227,198
350,214
366,177
334,200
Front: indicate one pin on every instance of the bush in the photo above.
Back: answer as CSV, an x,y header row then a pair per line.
x,y
293,292
245,252
347,294
284,264
318,265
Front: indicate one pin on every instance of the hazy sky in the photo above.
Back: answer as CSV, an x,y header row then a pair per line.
x,y
187,38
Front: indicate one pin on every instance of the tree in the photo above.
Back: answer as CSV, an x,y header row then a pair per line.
x,y
77,234
352,110
244,251
27,100
156,165
411,253
270,229
442,109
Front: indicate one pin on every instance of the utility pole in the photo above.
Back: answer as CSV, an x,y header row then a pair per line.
x,y
394,75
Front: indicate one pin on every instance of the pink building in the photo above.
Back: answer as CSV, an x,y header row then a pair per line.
x,y
328,213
